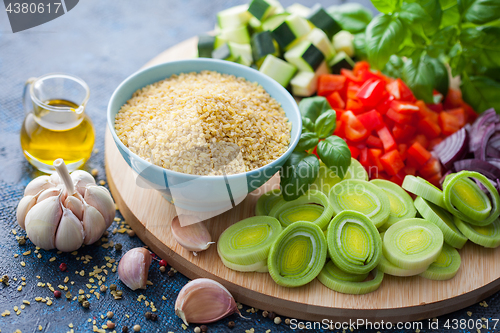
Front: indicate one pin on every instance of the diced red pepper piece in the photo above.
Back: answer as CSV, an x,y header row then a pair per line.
x,y
429,128
471,114
339,129
315,151
371,120
449,123
434,142
374,142
404,107
399,118
384,104
355,106
360,67
349,76
460,114
335,100
402,147
352,90
409,170
403,132
374,158
399,177
354,129
425,112
431,168
377,174
371,92
387,139
418,153
376,75
422,139
453,99
363,157
328,83
437,97
405,92
435,107
392,162
434,180
354,151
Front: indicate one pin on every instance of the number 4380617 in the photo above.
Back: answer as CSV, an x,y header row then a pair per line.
x,y
32,8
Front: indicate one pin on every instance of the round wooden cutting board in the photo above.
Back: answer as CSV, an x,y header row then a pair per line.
x,y
398,299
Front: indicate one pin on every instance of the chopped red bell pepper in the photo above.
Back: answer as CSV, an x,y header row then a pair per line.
x,y
406,93
404,107
355,106
354,151
349,76
418,153
434,142
363,157
392,162
425,112
354,129
460,114
335,100
387,139
374,158
449,123
371,120
402,147
328,83
371,92
403,132
399,118
431,168
453,99
352,90
429,128
360,67
384,104
435,107
374,142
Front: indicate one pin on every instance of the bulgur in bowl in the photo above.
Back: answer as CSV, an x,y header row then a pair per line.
x,y
166,119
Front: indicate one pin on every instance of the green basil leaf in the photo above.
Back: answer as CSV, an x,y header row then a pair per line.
x,y
298,172
307,125
385,6
442,81
335,153
384,35
313,107
481,92
325,124
418,74
445,4
359,43
442,41
413,13
394,67
457,60
434,11
493,73
479,11
352,17
483,45
451,16
307,141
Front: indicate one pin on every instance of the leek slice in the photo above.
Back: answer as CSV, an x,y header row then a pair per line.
x,y
248,241
466,202
288,212
446,265
487,236
333,278
363,197
267,201
424,189
307,212
259,267
298,255
412,243
443,219
354,243
356,171
389,268
400,202
327,179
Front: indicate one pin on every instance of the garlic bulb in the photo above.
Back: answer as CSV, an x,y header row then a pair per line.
x,y
134,267
193,237
55,211
203,301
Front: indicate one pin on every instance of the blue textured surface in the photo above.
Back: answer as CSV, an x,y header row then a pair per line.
x,y
102,41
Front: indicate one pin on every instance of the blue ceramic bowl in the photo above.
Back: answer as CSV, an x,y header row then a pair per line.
x,y
202,193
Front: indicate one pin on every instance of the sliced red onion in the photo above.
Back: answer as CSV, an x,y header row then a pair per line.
x,y
478,129
494,161
487,169
453,148
480,152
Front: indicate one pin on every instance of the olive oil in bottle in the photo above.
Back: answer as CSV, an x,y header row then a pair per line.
x,y
47,135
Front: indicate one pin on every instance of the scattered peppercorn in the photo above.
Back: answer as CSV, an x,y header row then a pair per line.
x,y
110,314
154,317
22,240
163,262
57,293
265,314
110,324
131,233
5,279
63,267
271,315
148,315
231,324
277,320
162,269
137,328
125,329
86,304
171,273
287,321
112,286
103,288
197,330
118,247
204,328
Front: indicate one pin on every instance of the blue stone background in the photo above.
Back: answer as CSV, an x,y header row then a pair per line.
x,y
103,41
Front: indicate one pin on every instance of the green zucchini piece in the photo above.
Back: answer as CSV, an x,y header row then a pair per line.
x,y
299,25
354,243
341,60
487,236
238,35
319,39
470,200
424,189
263,44
400,202
248,241
333,278
241,51
278,69
389,268
445,266
305,84
219,41
321,19
462,211
260,9
311,197
412,243
363,197
233,17
274,21
298,255
205,46
298,9
292,28
222,52
443,219
344,41
267,201
305,56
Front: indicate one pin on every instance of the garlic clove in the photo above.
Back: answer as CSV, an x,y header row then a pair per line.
x,y
193,237
70,234
41,222
38,184
50,192
55,179
203,301
93,224
81,179
23,208
134,267
100,198
75,205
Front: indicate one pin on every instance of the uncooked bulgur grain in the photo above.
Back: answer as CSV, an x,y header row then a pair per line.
x,y
204,123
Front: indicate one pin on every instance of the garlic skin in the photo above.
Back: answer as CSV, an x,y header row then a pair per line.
x,y
42,221
23,207
100,198
133,268
93,224
70,234
81,179
38,184
204,301
193,237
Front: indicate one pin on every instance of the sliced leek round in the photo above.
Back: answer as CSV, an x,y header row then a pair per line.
x,y
363,197
267,201
298,254
389,268
445,266
400,202
300,209
443,219
424,189
354,243
412,243
259,267
356,171
487,236
248,242
326,179
334,278
462,197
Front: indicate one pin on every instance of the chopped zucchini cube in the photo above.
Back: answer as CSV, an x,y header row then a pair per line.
x,y
242,51
260,9
274,21
237,35
305,84
321,19
322,42
263,44
278,69
234,17
343,41
305,56
205,46
299,9
222,52
341,60
293,27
